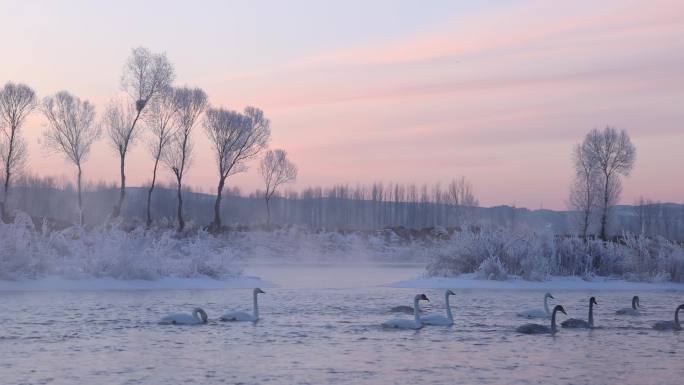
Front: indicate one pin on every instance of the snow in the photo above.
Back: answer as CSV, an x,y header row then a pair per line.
x,y
470,281
167,283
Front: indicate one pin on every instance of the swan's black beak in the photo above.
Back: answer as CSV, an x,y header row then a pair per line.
x,y
550,296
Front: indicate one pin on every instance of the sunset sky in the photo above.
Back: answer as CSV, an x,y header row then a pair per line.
x,y
396,91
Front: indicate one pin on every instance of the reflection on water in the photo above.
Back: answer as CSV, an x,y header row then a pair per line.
x,y
321,325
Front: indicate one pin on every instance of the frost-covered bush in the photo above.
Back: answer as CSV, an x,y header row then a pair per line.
x,y
492,269
110,251
537,255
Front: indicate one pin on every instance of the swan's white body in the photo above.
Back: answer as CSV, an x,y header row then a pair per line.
x,y
631,310
400,323
440,320
197,317
670,325
242,315
542,329
538,313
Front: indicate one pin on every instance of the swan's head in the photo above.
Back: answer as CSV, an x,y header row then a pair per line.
x,y
548,295
259,291
635,302
202,313
449,292
593,300
421,297
560,309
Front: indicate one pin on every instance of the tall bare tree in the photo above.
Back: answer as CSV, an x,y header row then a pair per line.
x,y
585,190
17,101
191,103
460,194
235,138
276,169
145,75
160,118
612,153
71,131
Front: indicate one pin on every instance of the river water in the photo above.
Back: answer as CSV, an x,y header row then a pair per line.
x,y
321,325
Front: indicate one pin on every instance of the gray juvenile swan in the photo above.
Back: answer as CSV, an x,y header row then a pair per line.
x,y
399,323
541,329
197,317
402,309
577,323
244,316
440,320
631,310
670,325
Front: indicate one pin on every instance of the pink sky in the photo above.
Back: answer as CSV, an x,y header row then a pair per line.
x,y
498,92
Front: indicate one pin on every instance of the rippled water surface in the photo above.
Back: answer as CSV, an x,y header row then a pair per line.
x,y
321,325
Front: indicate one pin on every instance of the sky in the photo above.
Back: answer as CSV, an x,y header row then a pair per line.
x,y
392,91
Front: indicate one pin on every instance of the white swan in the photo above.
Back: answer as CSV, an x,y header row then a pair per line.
x,y
244,316
439,320
538,313
541,329
631,310
399,323
197,317
576,323
670,325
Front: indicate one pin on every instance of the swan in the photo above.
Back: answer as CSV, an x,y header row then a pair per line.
x,y
197,317
538,313
439,320
244,316
402,309
670,325
633,310
576,323
399,323
541,329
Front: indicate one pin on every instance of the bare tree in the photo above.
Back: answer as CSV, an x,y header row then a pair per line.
x,y
71,131
585,190
276,169
460,194
235,138
190,104
145,75
17,101
160,118
613,154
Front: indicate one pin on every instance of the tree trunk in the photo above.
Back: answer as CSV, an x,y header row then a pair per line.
x,y
122,192
80,199
8,174
149,192
604,216
181,222
216,224
268,211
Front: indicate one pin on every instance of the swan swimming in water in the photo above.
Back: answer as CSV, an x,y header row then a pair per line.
x,y
538,313
541,329
402,309
244,316
670,325
197,317
399,323
576,323
439,320
631,310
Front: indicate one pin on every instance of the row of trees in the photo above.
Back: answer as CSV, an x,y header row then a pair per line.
x,y
170,115
600,162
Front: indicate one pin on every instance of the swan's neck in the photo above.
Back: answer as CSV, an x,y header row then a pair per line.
x,y
546,305
553,321
256,307
195,315
591,314
634,303
448,308
416,310
677,317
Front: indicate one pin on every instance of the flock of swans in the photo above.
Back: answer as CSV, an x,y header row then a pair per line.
x,y
199,316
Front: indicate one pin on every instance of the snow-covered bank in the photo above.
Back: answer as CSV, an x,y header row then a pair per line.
x,y
166,283
470,281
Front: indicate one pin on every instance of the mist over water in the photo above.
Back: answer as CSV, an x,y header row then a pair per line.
x,y
321,324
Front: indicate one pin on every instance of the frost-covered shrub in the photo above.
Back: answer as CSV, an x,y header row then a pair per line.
x,y
111,251
492,269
